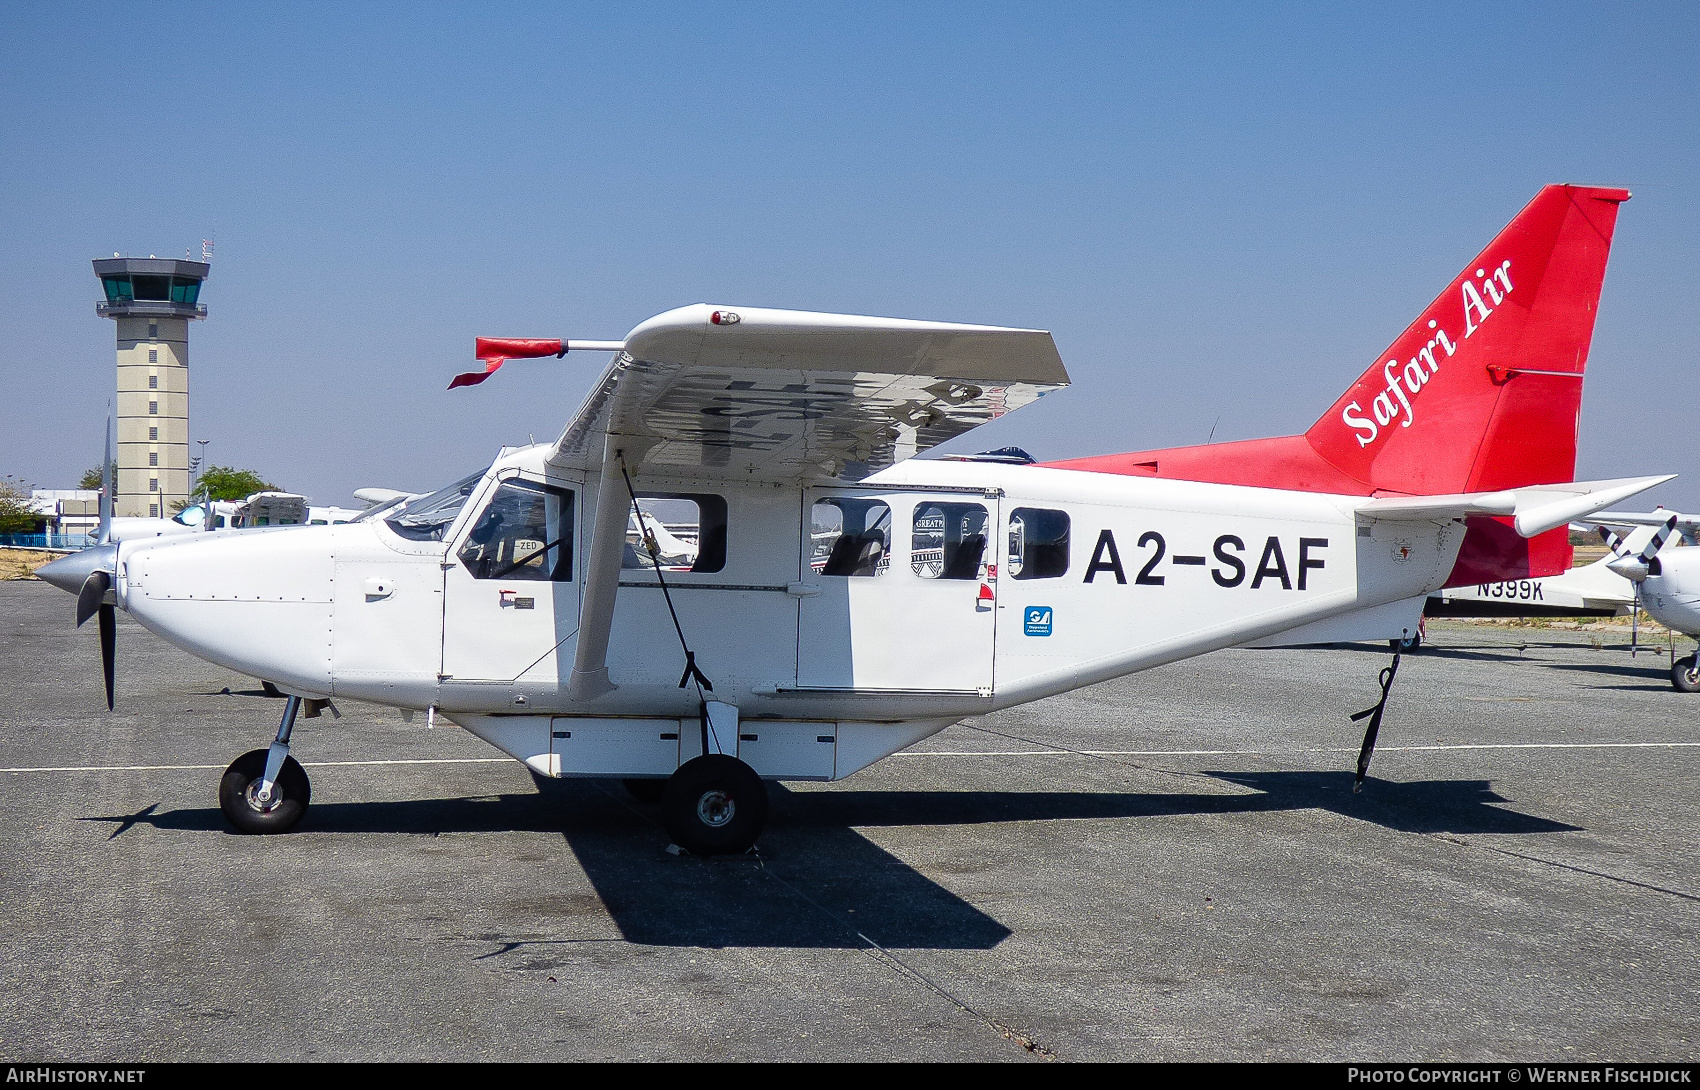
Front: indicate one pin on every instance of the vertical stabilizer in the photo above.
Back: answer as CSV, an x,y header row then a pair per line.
x,y
1483,391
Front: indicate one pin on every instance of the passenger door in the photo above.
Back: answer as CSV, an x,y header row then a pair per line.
x,y
907,591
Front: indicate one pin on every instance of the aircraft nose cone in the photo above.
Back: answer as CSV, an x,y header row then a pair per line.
x,y
71,572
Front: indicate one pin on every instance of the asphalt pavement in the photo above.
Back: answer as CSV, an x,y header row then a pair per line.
x,y
1171,866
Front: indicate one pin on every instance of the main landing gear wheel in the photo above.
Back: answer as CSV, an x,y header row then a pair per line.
x,y
238,795
649,791
714,805
1685,675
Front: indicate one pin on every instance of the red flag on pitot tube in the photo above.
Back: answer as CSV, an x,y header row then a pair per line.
x,y
495,351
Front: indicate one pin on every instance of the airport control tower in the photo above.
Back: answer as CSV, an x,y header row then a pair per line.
x,y
153,301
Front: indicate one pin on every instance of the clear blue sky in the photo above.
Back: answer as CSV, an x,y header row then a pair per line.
x,y
1221,213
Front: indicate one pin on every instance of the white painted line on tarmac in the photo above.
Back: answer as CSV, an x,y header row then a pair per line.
x,y
933,753
306,764
1281,752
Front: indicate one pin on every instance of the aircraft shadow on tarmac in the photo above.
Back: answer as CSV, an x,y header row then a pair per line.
x,y
819,883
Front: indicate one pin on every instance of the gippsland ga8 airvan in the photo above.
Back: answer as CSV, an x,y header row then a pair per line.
x,y
731,567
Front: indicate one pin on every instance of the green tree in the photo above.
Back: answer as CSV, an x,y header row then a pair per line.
x,y
15,514
91,478
229,483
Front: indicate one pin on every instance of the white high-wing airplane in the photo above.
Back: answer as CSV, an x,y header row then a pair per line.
x,y
843,599
1668,579
1592,590
1646,568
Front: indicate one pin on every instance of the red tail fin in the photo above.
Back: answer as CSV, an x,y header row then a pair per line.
x,y
1483,390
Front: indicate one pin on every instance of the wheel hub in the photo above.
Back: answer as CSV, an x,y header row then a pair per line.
x,y
715,808
259,805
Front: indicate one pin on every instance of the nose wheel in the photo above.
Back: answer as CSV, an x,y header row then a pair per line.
x,y
714,805
1685,675
253,811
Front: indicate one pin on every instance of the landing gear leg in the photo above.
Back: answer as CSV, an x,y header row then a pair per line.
x,y
266,790
1374,717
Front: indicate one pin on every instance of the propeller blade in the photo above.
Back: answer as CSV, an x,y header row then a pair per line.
x,y
1613,542
1657,542
108,647
1638,563
92,594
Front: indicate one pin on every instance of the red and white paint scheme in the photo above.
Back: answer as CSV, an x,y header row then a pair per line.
x,y
845,599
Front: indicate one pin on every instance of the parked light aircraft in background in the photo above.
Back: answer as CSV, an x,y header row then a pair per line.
x,y
842,599
1592,590
1652,568
1668,580
260,509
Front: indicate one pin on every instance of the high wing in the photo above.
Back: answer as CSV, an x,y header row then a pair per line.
x,y
1688,526
791,395
777,395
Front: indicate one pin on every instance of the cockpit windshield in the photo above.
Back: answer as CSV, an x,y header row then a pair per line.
x,y
193,515
428,518
386,508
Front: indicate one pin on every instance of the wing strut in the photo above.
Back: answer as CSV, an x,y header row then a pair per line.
x,y
601,580
693,673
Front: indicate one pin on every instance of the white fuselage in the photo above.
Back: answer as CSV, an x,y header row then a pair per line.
x,y
1151,571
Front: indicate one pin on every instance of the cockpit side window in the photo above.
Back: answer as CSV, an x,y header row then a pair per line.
x,y
948,541
525,532
688,530
428,518
850,537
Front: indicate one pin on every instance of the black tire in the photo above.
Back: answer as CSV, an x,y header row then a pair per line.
x,y
1685,675
645,791
290,795
1407,645
714,805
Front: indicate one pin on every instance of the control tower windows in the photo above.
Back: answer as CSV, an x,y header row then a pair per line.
x,y
153,435
153,408
182,290
153,457
153,380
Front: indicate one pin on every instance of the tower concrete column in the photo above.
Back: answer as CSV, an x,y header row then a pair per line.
x,y
153,301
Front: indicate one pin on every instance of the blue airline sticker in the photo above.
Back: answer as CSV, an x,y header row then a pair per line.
x,y
1036,620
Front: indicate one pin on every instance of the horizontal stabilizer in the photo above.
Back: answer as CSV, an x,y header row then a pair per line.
x,y
1534,509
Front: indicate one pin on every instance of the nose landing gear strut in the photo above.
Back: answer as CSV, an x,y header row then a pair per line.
x,y
266,790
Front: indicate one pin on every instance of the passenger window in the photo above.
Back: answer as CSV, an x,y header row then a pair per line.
x,y
1038,543
689,530
949,541
526,532
850,537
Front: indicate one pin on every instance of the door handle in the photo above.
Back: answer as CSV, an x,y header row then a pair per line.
x,y
802,590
